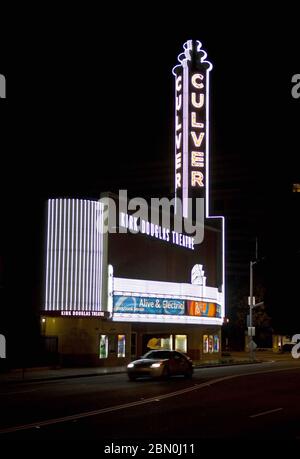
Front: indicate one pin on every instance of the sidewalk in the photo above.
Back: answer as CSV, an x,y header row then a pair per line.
x,y
50,373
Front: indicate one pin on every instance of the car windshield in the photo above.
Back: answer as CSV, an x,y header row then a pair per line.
x,y
157,355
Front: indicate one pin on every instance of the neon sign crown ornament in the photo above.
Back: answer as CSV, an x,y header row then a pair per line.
x,y
193,50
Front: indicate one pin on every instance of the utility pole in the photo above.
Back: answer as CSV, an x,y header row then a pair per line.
x,y
251,342
252,305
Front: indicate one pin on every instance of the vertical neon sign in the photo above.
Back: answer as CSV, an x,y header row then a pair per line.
x,y
191,124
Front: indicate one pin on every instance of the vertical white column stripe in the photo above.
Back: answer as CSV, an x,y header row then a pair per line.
x,y
185,145
97,251
207,145
100,255
88,277
80,256
55,256
73,278
64,253
76,256
68,258
72,255
175,174
92,257
95,256
47,255
84,258
59,203
51,255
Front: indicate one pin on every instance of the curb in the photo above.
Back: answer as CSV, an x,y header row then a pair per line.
x,y
54,378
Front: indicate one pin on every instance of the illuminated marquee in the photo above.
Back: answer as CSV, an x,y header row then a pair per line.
x,y
164,306
204,309
191,123
148,305
74,257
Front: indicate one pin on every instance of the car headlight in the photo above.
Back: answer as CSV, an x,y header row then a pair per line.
x,y
130,365
155,365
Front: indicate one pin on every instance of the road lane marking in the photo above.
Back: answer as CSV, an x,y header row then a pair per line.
x,y
38,424
110,409
265,412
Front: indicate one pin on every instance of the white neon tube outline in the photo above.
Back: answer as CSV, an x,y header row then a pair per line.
x,y
207,207
110,289
63,287
185,141
168,319
175,114
51,257
97,256
94,257
101,255
72,255
76,256
183,57
84,256
88,257
55,247
80,258
47,255
68,257
59,254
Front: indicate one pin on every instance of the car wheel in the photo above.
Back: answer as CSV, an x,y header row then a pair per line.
x,y
166,373
188,374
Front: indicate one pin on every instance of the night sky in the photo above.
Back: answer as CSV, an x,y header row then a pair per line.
x,y
91,110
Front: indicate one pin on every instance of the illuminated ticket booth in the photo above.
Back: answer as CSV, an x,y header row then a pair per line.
x,y
121,281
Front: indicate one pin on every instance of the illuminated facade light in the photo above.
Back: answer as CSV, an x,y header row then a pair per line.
x,y
194,122
197,159
192,75
296,187
192,87
197,179
74,256
197,103
80,278
197,140
196,80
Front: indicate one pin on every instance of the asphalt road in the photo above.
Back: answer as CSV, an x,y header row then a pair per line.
x,y
260,401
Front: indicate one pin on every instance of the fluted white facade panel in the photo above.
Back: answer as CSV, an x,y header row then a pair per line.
x,y
74,257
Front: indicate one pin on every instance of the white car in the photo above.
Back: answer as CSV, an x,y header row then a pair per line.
x,y
160,363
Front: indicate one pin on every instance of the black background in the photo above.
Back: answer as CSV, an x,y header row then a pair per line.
x,y
89,108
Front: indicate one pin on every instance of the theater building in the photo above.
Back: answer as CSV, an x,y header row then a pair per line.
x,y
121,278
